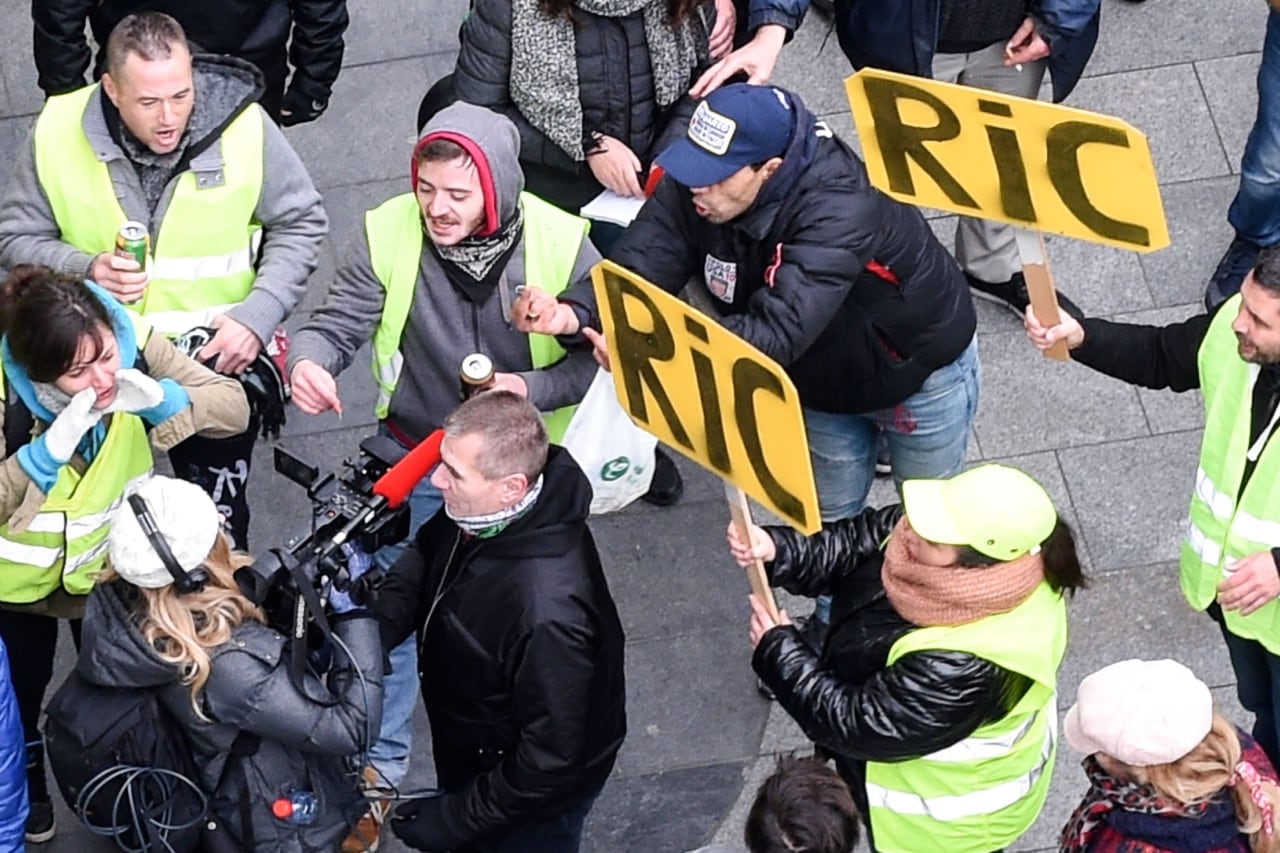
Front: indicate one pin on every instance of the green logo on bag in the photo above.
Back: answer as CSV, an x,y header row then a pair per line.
x,y
614,468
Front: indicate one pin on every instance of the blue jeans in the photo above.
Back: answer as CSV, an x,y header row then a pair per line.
x,y
389,756
927,433
1255,212
1257,685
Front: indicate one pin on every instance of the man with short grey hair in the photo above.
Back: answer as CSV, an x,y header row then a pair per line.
x,y
520,646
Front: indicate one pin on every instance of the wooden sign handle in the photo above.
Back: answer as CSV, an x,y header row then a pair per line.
x,y
1044,299
740,511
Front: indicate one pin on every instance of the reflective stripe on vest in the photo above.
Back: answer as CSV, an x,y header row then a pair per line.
x,y
984,791
66,542
1226,524
552,239
204,254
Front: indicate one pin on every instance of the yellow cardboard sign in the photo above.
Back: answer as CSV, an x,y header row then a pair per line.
x,y
707,393
996,156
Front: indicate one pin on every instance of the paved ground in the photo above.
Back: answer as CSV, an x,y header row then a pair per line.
x,y
1117,460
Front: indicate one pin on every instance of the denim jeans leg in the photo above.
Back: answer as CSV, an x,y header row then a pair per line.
x,y
928,432
389,756
1255,212
1258,687
842,450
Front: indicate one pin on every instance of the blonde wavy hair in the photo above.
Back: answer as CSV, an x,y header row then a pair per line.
x,y
183,628
1199,775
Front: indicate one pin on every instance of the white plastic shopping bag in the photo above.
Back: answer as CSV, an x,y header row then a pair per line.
x,y
615,454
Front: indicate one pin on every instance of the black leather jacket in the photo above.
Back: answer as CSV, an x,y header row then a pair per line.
x,y
845,698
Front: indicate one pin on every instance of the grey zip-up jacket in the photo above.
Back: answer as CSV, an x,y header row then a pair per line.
x,y
444,324
289,208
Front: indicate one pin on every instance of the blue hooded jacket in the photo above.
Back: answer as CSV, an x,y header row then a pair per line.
x,y
13,762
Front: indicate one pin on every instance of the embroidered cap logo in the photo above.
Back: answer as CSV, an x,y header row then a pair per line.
x,y
711,130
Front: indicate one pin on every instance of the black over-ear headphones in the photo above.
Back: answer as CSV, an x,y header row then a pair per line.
x,y
185,581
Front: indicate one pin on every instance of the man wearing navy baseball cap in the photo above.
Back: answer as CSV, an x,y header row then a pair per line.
x,y
845,288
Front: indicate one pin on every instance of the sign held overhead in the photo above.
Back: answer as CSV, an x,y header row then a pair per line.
x,y
994,156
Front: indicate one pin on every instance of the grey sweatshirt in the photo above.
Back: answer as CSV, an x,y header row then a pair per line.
x,y
289,208
444,326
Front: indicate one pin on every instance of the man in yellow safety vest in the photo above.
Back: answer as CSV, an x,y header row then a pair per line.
x,y
178,144
1231,549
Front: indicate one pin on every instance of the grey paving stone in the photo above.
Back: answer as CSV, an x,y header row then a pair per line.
x,y
1100,279
1230,88
1132,496
368,131
709,710
670,811
1030,402
14,133
395,29
1168,32
1197,216
1168,106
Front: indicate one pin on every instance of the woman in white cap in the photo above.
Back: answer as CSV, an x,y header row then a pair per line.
x,y
88,395
934,688
1167,773
225,676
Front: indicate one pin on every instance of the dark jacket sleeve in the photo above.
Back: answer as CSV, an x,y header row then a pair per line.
x,y
398,605
786,13
62,53
924,702
554,666
250,687
666,221
808,565
316,45
1150,356
483,77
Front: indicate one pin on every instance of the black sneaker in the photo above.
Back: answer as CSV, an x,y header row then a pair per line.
x,y
40,826
1012,294
1234,266
667,485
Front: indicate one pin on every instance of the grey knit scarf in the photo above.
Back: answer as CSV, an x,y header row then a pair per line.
x,y
544,63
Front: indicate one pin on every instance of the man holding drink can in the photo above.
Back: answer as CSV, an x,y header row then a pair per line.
x,y
172,153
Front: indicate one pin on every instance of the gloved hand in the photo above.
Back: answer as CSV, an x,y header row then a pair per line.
x,y
44,455
359,561
154,402
297,107
416,826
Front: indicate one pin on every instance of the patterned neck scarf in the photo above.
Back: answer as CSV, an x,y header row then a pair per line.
x,y
489,526
1107,794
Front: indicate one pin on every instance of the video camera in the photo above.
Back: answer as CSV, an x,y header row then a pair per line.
x,y
366,507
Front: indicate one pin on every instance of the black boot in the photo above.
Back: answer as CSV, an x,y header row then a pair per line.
x,y
667,485
40,826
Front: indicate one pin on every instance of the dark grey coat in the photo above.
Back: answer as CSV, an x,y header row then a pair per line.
x,y
304,744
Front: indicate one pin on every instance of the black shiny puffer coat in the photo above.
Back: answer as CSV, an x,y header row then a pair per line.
x,y
845,698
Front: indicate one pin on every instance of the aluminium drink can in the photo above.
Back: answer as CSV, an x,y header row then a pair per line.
x,y
132,241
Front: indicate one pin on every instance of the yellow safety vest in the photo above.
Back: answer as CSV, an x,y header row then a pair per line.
x,y
66,542
982,793
1225,523
203,260
552,239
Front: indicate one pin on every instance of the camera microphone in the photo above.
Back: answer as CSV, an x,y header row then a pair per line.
x,y
395,485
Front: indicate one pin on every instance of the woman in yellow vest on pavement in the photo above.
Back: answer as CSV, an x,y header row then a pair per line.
x,y
87,394
934,688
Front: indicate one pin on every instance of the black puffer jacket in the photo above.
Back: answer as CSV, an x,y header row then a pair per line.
x,y
845,698
303,744
844,287
520,659
256,30
615,88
